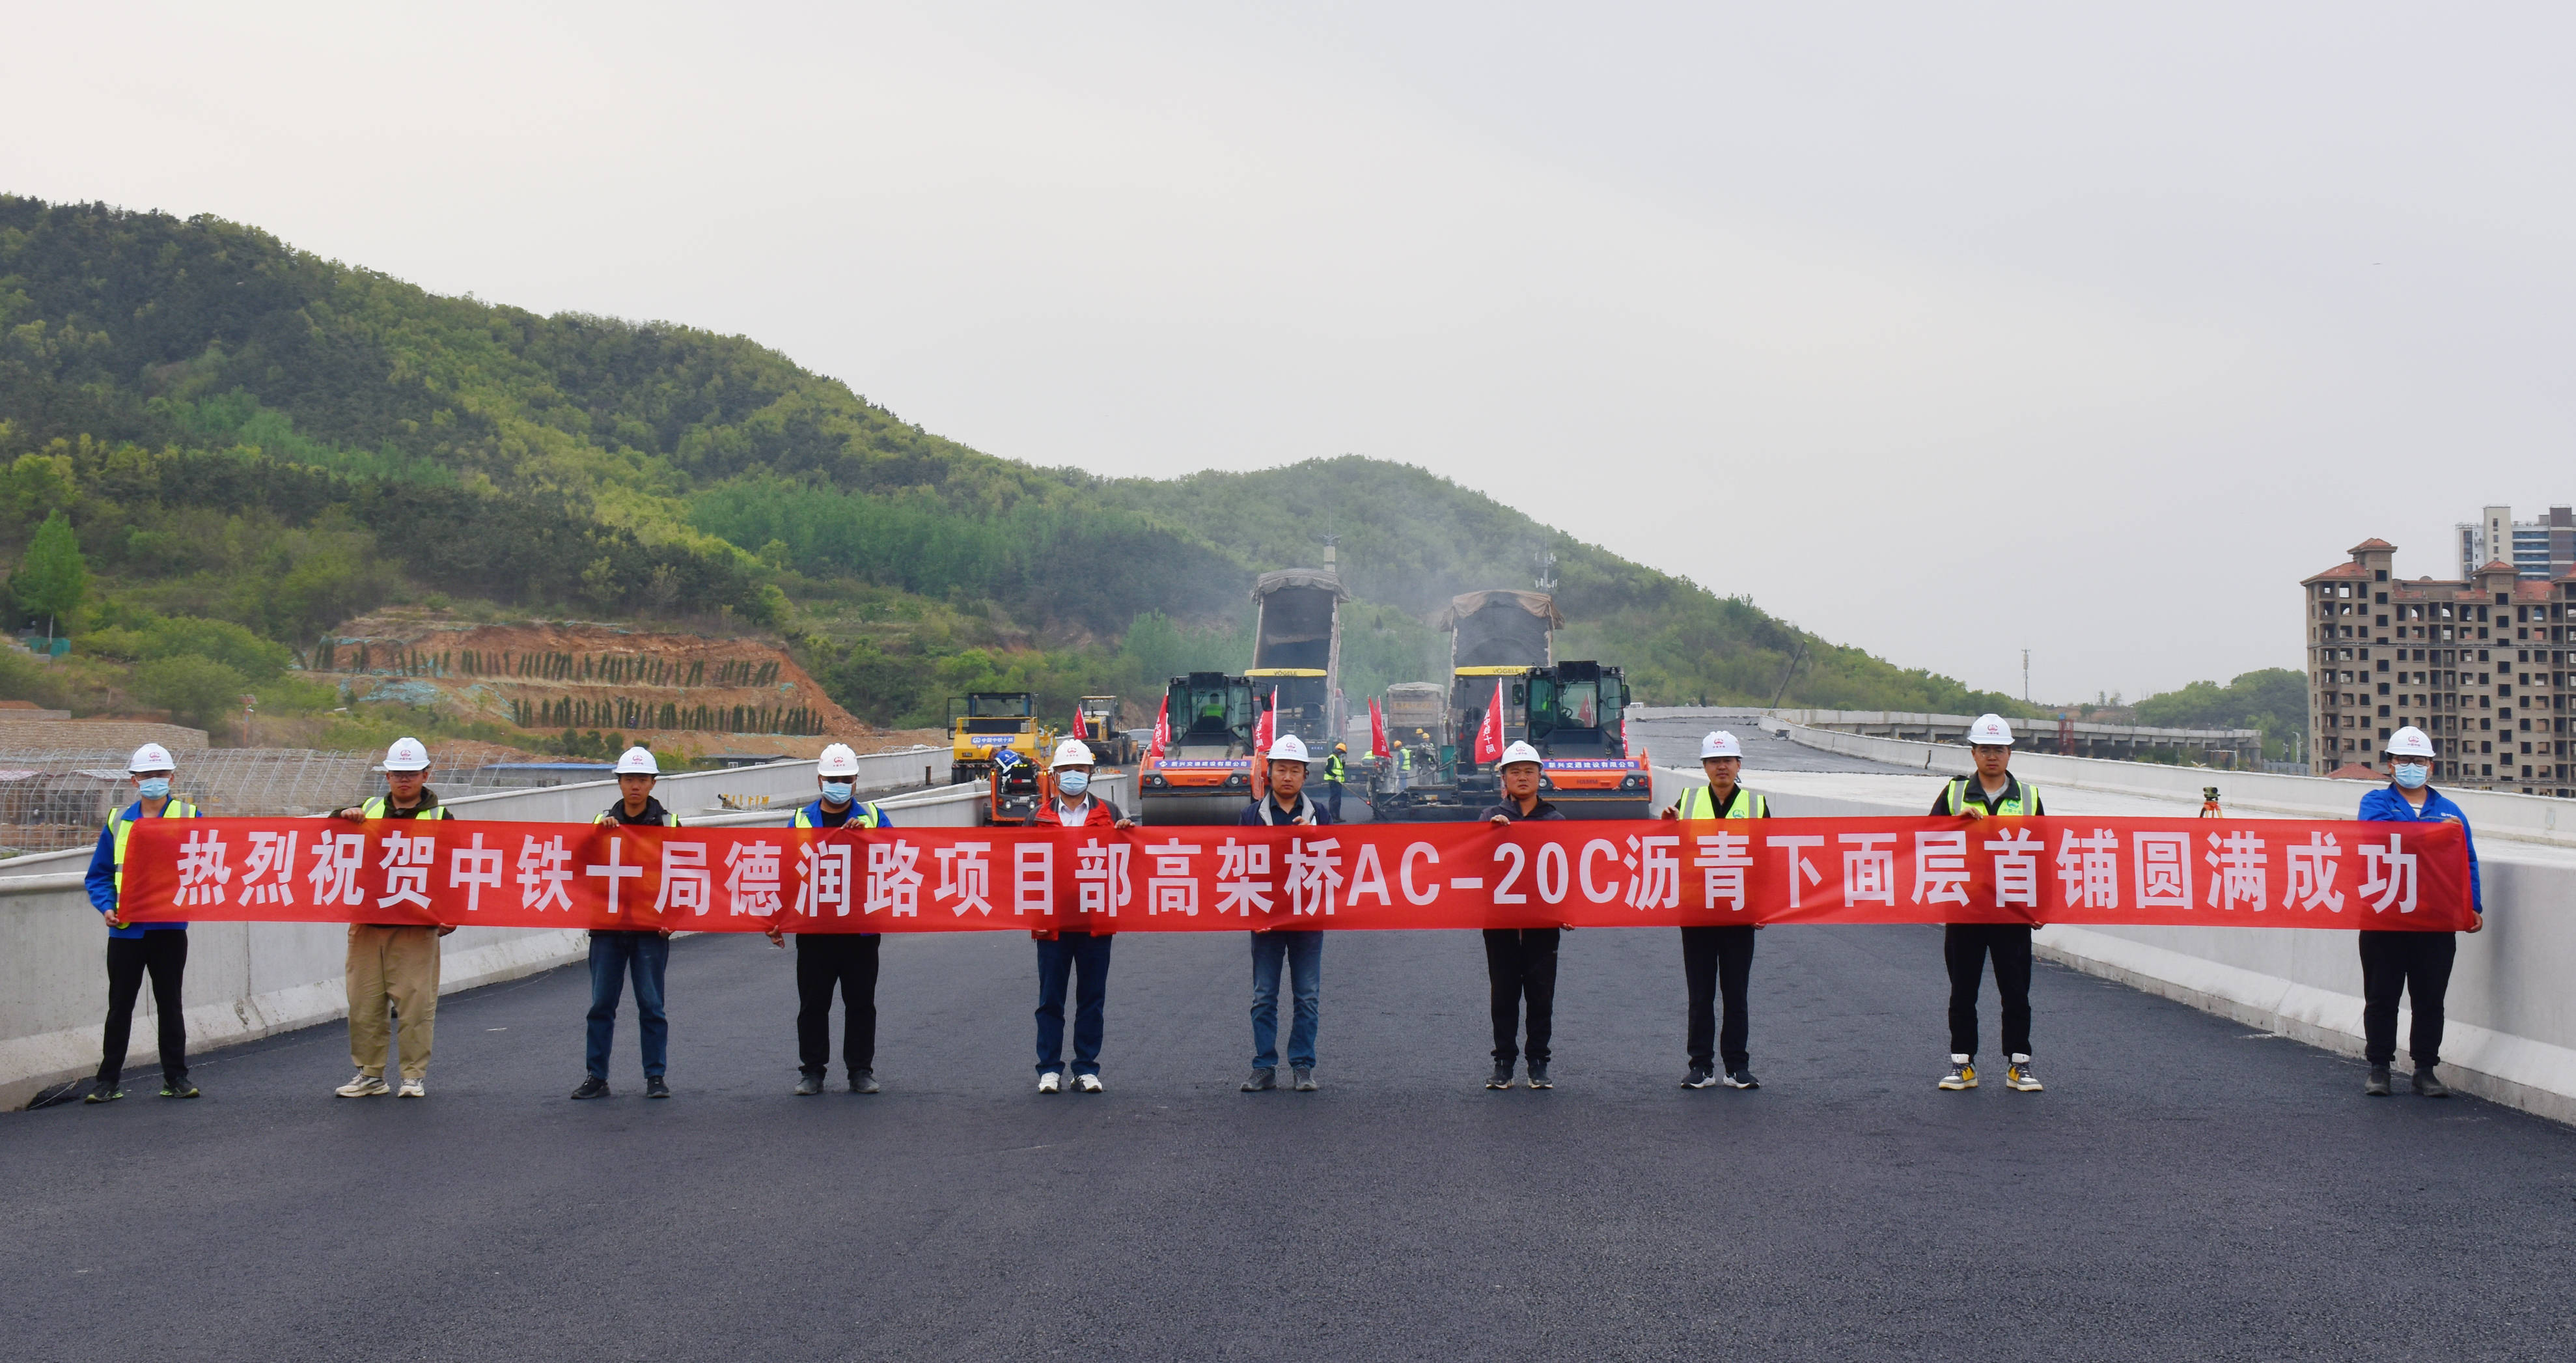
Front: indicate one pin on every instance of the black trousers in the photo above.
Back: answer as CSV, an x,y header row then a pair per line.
x,y
1965,946
164,953
1718,961
2417,963
849,960
1522,962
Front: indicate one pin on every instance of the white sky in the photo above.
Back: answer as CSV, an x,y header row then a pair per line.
x,y
1942,330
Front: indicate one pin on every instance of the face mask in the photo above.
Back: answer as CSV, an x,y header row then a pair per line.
x,y
836,792
2412,775
1073,783
156,788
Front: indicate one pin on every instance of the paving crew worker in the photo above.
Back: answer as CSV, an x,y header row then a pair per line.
x,y
1521,961
616,953
1081,953
1719,959
134,948
394,964
1301,951
2415,963
846,961
1335,772
1965,946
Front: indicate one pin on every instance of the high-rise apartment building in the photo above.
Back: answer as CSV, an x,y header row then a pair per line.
x,y
2541,549
2479,664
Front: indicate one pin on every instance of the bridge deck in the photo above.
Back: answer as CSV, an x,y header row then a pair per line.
x,y
2183,1189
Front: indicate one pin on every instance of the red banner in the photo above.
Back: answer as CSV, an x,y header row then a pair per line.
x,y
2255,873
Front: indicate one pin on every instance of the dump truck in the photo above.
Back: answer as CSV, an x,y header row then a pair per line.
x,y
984,722
1099,730
1204,775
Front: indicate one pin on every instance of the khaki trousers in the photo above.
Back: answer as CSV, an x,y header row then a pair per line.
x,y
397,966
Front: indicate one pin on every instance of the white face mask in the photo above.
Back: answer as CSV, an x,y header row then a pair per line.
x,y
1072,781
2413,775
836,792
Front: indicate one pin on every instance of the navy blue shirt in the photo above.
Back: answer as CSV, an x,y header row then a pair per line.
x,y
1269,805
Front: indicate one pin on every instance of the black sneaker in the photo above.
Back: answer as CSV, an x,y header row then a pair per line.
x,y
2429,1084
592,1087
1700,1077
1262,1081
2376,1086
655,1088
1502,1076
863,1081
181,1088
1742,1079
105,1091
1305,1078
1538,1075
807,1085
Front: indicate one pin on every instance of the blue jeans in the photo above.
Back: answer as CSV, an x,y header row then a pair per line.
x,y
1086,958
1304,954
613,955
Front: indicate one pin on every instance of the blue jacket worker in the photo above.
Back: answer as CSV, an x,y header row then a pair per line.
x,y
136,948
846,961
1301,951
644,953
2414,963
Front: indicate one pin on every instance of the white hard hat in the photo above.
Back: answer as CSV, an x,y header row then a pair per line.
x,y
1720,744
2409,742
406,755
1288,748
151,757
838,760
1990,731
1072,752
1520,752
638,762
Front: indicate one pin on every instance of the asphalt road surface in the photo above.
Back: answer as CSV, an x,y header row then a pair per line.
x,y
2183,1189
1675,743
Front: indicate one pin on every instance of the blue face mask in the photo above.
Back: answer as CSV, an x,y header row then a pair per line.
x,y
155,788
1073,781
836,792
2413,775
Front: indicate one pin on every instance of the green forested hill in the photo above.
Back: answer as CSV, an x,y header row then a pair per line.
x,y
240,431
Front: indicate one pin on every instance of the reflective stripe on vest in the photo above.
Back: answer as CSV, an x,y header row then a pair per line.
x,y
865,816
1697,803
120,827
374,807
2025,795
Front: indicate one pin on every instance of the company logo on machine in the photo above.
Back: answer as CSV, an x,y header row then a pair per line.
x,y
991,740
1589,764
1204,764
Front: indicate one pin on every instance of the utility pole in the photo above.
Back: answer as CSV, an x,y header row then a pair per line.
x,y
2025,676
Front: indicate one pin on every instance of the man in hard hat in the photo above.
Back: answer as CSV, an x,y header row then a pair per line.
x,y
1301,951
1082,953
1992,792
2411,963
1521,962
394,964
616,953
846,961
1336,772
1719,959
136,948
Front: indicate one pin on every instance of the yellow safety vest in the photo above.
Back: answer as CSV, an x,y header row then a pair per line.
x,y
865,816
376,807
2025,798
119,827
1333,767
1697,803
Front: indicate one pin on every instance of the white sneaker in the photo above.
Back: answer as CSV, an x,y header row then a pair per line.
x,y
364,1086
414,1088
1088,1083
1050,1082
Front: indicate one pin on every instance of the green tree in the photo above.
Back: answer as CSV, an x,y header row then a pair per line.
x,y
53,578
198,692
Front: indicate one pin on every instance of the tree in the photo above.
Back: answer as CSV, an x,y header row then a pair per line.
x,y
53,578
198,692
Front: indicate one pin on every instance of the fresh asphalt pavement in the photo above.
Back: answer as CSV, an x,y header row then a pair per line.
x,y
1675,743
2182,1190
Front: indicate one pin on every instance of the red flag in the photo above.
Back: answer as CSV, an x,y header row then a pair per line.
x,y
1081,726
1266,732
1489,735
1378,746
1162,731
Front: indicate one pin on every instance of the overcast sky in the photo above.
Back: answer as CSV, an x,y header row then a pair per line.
x,y
1942,330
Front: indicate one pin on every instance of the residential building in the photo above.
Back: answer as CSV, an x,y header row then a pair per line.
x,y
2542,549
2481,665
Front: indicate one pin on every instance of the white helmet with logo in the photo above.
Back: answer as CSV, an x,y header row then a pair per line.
x,y
1288,748
838,760
1720,744
638,761
406,755
151,757
1072,752
1519,752
2409,742
1990,731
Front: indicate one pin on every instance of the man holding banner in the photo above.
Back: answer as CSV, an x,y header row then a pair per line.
x,y
843,960
394,964
133,949
1300,951
1082,953
1719,959
617,953
2416,963
1520,962
1993,791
